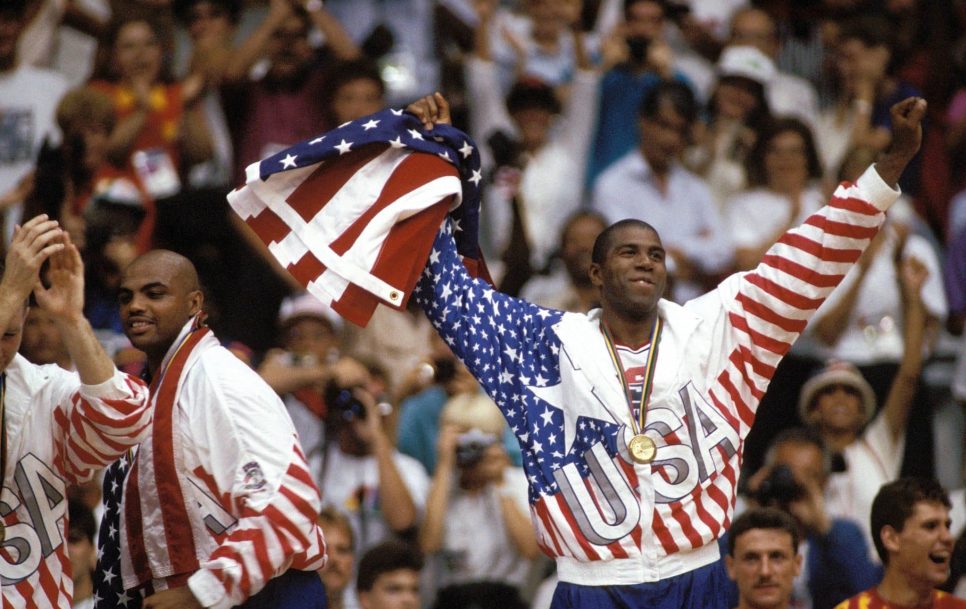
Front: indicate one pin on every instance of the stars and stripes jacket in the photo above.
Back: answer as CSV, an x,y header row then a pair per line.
x,y
251,504
59,432
606,519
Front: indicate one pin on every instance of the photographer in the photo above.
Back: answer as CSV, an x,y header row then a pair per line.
x,y
382,491
838,560
475,483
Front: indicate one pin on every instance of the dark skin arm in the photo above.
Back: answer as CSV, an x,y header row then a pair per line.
x,y
907,118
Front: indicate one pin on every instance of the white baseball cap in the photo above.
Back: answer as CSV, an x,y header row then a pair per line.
x,y
306,305
746,62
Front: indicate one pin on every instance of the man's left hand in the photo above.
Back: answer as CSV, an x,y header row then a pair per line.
x,y
65,296
173,598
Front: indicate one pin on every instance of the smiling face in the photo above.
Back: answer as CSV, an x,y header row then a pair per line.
x,y
921,551
632,275
838,408
764,565
137,52
159,293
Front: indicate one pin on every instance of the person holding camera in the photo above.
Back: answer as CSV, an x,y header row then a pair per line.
x,y
382,491
475,483
838,561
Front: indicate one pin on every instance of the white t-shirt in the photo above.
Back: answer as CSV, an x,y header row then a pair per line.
x,y
483,551
871,461
770,210
351,485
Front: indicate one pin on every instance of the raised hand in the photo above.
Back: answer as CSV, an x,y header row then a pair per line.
x,y
431,110
34,242
907,117
65,296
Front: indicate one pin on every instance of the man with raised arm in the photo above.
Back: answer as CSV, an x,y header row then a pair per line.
x,y
58,427
632,417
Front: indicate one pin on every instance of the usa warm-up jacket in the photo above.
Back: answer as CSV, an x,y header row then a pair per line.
x,y
606,519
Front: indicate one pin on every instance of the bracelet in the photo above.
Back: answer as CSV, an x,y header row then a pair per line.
x,y
314,6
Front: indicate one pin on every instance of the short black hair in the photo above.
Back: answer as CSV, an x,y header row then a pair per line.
x,y
896,501
605,240
800,435
763,518
81,522
532,93
13,8
678,94
341,73
386,557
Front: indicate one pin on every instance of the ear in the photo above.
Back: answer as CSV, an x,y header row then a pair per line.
x,y
798,563
730,566
363,597
196,300
890,538
595,277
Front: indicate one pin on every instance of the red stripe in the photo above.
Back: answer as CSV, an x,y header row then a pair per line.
x,y
758,367
757,338
684,521
664,534
46,581
269,227
135,527
787,296
544,517
229,552
739,367
307,269
841,229
823,252
356,305
329,177
280,521
709,521
735,394
854,204
413,172
808,275
585,545
762,312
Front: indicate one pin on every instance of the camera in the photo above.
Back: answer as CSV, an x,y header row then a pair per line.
x,y
342,402
471,446
780,488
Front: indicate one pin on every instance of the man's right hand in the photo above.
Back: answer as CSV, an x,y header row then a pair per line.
x,y
907,117
431,110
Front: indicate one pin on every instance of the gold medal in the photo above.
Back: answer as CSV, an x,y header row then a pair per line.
x,y
642,449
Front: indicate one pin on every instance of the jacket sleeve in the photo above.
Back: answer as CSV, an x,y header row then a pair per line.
x,y
507,343
253,468
98,423
760,314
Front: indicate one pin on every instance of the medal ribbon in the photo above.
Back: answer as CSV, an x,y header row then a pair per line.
x,y
3,441
649,368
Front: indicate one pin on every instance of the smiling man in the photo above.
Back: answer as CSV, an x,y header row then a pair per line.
x,y
910,521
763,558
218,507
633,455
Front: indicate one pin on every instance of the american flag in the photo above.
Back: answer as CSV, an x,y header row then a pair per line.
x,y
351,214
109,591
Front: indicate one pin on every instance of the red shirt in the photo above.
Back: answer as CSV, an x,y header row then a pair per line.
x,y
870,599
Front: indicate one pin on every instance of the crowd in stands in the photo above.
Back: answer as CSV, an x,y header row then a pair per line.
x,y
720,123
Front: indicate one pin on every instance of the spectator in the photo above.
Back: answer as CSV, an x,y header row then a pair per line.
x,y
382,491
635,59
354,89
567,286
42,342
30,97
866,89
340,551
910,521
787,94
159,131
783,189
285,105
389,577
309,334
211,26
738,111
539,155
868,444
650,183
763,558
474,482
838,561
82,552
